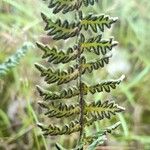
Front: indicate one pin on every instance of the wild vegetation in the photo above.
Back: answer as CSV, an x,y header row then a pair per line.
x,y
19,111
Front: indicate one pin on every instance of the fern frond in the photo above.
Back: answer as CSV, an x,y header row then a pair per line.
x,y
60,77
64,94
86,113
59,30
60,110
74,91
57,56
65,5
97,138
73,126
102,110
68,5
105,85
97,45
14,59
72,73
97,22
95,65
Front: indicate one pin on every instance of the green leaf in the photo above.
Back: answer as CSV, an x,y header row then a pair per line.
x,y
58,29
55,56
97,45
60,110
97,22
72,73
64,5
94,109
74,91
67,129
99,137
53,130
58,76
95,65
105,85
69,5
103,110
64,94
109,129
73,126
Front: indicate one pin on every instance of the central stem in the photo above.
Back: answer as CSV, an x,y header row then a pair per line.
x,y
81,100
80,84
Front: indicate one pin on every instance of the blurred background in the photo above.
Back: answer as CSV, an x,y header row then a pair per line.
x,y
21,26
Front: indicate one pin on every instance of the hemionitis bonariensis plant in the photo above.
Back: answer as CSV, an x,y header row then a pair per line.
x,y
68,67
